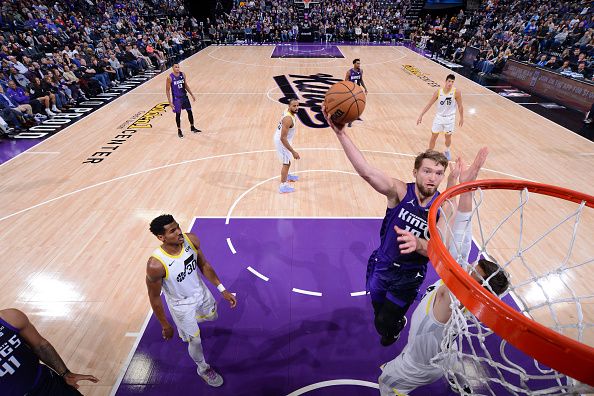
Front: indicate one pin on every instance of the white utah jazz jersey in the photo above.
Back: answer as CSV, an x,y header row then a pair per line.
x,y
446,104
426,332
279,128
181,278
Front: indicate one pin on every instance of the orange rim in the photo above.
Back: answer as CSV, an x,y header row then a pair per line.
x,y
555,350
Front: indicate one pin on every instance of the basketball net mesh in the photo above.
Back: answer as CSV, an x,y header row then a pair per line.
x,y
477,361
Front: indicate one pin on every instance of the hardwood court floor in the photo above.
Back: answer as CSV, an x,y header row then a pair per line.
x,y
75,234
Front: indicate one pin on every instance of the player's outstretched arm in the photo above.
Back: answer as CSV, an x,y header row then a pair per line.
x,y
42,347
209,272
460,240
392,188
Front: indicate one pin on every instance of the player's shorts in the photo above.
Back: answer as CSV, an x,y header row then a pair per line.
x,y
443,124
283,154
401,376
187,313
387,280
180,104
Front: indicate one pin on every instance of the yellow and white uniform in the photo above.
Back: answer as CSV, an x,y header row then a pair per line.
x,y
188,299
412,368
445,118
284,155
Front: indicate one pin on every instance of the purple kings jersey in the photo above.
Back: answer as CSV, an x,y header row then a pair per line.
x,y
19,366
355,76
409,216
178,89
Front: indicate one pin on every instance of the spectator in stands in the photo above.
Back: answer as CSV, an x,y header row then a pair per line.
x,y
565,68
19,96
117,67
6,101
543,61
584,71
552,63
41,92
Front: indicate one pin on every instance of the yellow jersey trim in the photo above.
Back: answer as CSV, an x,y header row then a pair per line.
x,y
398,393
164,265
187,238
288,113
213,313
433,293
170,255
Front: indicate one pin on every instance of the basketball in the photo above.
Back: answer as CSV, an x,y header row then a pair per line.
x,y
345,102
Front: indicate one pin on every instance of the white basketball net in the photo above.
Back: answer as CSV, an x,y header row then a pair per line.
x,y
545,272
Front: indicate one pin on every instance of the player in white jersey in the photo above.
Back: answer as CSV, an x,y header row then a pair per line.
x,y
283,137
448,99
173,268
412,368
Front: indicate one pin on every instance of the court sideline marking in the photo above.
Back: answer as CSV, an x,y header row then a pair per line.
x,y
208,158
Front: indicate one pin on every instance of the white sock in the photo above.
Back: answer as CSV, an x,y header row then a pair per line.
x,y
195,351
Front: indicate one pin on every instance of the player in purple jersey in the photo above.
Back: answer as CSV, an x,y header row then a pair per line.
x,y
396,270
21,373
356,75
177,86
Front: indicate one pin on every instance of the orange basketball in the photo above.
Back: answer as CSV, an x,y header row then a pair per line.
x,y
345,102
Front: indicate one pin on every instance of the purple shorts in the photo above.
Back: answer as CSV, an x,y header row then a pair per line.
x,y
180,104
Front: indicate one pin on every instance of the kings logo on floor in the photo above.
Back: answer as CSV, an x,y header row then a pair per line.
x,y
310,90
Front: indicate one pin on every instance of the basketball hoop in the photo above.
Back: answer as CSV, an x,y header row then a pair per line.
x,y
568,357
306,4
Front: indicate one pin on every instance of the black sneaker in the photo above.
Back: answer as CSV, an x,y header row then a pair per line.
x,y
193,129
389,340
180,134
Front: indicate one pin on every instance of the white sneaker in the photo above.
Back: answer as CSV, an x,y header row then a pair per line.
x,y
55,109
49,112
211,377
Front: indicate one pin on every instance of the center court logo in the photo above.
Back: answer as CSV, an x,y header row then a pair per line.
x,y
423,76
311,88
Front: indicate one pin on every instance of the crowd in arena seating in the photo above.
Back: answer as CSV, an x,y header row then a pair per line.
x,y
54,54
267,21
553,34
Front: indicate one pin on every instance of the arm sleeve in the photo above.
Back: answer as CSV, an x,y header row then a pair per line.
x,y
461,241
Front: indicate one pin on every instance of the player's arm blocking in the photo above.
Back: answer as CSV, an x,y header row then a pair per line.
x,y
287,122
460,242
209,272
155,272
